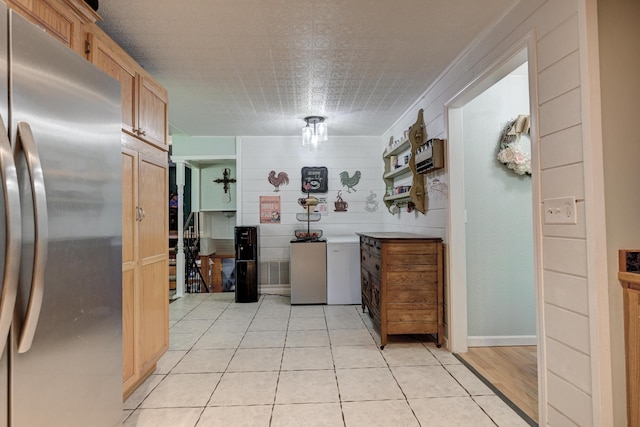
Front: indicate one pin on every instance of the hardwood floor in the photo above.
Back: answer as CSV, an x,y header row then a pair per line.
x,y
512,371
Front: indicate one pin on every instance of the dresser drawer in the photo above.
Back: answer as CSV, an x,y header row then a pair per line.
x,y
371,263
376,296
365,287
412,312
394,328
373,246
397,295
412,279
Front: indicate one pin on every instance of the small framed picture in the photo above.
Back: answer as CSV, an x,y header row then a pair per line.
x,y
315,179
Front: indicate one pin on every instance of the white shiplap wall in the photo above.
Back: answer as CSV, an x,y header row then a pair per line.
x,y
570,314
260,155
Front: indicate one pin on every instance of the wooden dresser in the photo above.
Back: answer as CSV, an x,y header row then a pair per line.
x,y
402,283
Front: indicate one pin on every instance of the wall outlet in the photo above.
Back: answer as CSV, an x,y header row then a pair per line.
x,y
560,210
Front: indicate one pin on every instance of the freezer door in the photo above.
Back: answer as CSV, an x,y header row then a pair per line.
x,y
308,273
4,115
66,358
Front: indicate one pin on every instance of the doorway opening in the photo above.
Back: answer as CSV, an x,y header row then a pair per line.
x,y
492,233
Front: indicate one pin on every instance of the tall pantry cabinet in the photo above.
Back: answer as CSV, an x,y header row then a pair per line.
x,y
145,264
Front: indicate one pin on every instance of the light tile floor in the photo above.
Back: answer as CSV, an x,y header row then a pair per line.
x,y
273,364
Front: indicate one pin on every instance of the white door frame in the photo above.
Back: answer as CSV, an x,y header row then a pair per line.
x,y
523,51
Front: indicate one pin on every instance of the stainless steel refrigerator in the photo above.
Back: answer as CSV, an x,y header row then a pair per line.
x,y
60,235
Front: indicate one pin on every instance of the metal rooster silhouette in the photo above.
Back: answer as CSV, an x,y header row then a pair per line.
x,y
348,181
279,180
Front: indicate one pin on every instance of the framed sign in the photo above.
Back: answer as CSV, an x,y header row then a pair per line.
x,y
315,179
269,209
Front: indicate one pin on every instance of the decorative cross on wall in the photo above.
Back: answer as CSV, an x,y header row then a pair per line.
x,y
225,180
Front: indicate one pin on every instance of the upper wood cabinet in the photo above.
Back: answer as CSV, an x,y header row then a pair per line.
x,y
63,19
152,111
144,101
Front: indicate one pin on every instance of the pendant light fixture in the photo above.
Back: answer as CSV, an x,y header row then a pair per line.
x,y
314,132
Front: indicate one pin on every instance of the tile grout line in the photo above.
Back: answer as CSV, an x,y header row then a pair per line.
x,y
335,371
164,376
275,393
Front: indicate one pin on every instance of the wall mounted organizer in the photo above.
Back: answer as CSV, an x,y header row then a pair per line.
x,y
430,156
403,195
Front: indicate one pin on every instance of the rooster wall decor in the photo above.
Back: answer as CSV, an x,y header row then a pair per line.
x,y
348,181
281,179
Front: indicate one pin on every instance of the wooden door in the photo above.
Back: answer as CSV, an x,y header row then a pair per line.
x,y
106,56
154,258
152,112
130,365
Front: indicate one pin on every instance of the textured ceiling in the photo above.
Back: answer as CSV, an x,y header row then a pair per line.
x,y
257,67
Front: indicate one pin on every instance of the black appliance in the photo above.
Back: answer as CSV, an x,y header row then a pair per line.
x,y
247,250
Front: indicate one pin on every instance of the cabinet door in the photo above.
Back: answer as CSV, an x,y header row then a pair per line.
x,y
152,113
56,18
154,259
130,369
104,56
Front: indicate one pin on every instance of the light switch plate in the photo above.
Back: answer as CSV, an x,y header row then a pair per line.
x,y
560,210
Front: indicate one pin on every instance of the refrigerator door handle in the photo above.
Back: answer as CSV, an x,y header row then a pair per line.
x,y
25,138
13,235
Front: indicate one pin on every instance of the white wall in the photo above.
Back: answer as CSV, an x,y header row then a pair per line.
x,y
574,314
620,62
212,195
260,155
499,229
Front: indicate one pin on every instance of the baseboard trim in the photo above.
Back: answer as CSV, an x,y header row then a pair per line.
x,y
502,341
275,290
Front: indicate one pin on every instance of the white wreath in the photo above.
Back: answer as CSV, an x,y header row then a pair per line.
x,y
510,152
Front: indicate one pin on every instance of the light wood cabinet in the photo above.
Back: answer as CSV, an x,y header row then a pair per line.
x,y
144,101
152,111
402,283
130,368
632,345
105,56
145,259
145,262
63,19
629,276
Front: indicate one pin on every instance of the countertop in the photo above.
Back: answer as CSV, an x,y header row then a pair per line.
x,y
390,235
337,239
